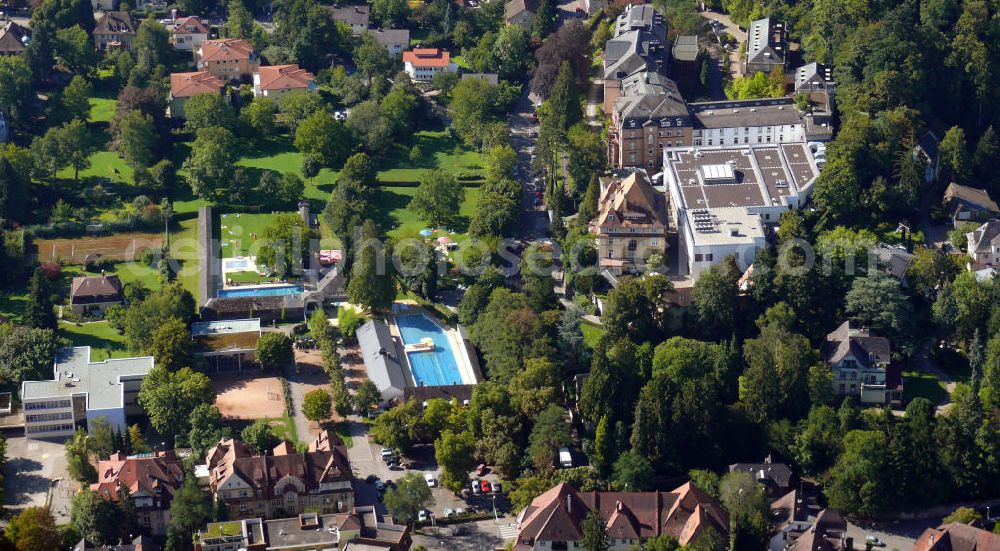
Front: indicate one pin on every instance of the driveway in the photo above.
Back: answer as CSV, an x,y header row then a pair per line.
x,y
735,67
32,468
307,376
901,534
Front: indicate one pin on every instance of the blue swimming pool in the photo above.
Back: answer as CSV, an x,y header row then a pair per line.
x,y
261,291
437,368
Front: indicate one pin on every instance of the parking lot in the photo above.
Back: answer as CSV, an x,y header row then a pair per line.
x,y
366,460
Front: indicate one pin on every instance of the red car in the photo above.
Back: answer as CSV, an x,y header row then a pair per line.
x,y
485,485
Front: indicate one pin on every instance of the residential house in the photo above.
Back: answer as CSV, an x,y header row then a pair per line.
x,y
91,296
554,520
957,536
861,365
141,543
969,204
685,64
115,29
81,391
356,17
227,345
227,58
789,519
282,484
766,47
631,224
722,197
984,246
827,533
521,13
394,40
423,63
590,7
306,531
381,356
277,80
189,33
14,38
814,77
776,478
184,86
150,480
894,260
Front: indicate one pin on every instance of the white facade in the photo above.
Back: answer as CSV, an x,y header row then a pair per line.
x,y
750,135
82,391
738,233
421,73
188,42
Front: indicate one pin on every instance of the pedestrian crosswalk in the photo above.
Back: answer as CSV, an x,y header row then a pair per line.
x,y
507,531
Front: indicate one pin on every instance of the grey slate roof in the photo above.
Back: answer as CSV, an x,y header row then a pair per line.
x,y
893,260
390,37
642,17
627,54
981,239
352,15
778,473
650,96
514,7
685,48
847,341
760,43
379,354
738,113
970,197
813,76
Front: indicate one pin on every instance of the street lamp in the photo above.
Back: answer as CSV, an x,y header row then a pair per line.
x,y
496,519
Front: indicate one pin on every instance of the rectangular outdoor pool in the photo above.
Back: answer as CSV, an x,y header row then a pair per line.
x,y
437,368
276,291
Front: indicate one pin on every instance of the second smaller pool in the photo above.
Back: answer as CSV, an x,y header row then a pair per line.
x,y
273,291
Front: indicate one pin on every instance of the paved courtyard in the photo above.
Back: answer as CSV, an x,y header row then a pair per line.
x,y
32,467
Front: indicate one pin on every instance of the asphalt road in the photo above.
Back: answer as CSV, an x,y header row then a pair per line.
x,y
735,66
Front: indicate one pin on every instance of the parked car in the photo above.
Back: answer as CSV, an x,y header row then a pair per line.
x,y
485,484
431,481
449,512
387,453
874,541
459,511
424,515
495,487
476,488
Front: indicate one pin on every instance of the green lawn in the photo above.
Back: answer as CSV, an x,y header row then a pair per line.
x,y
923,385
403,222
249,277
237,232
591,334
284,428
102,109
104,341
13,301
184,248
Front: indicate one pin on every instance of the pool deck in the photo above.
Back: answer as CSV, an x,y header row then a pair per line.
x,y
466,365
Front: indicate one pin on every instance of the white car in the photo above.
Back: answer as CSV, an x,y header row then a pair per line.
x,y
424,515
449,512
874,541
431,481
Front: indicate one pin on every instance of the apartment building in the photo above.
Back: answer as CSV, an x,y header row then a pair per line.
x,y
80,392
149,480
227,58
423,63
639,44
284,483
647,117
278,80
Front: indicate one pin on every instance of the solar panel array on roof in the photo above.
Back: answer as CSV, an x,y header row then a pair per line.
x,y
703,222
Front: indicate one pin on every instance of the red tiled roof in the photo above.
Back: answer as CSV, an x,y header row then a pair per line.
x,y
427,57
185,85
180,26
284,77
226,49
957,537
158,475
684,513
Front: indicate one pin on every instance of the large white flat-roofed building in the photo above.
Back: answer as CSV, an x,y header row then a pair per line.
x,y
82,391
743,122
722,198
